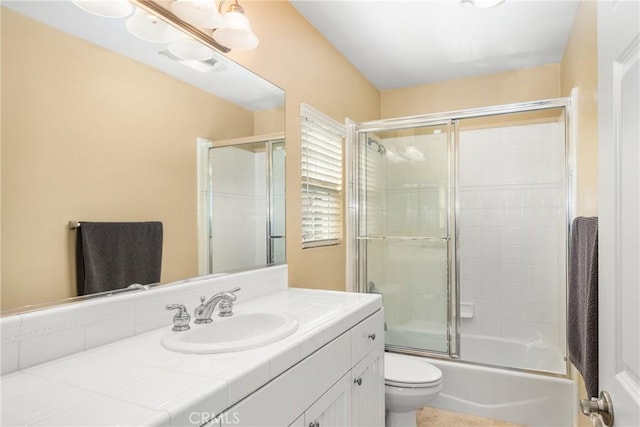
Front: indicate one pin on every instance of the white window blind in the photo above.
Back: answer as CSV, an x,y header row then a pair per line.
x,y
322,140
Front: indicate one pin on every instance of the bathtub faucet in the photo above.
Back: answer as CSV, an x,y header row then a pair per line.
x,y
205,309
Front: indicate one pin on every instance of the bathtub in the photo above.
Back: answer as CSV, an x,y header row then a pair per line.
x,y
535,400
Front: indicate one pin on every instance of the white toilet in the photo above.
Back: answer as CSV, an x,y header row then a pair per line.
x,y
410,382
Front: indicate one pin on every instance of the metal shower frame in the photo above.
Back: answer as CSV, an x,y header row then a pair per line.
x,y
355,264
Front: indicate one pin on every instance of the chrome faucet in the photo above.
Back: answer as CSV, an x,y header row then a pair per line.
x,y
205,309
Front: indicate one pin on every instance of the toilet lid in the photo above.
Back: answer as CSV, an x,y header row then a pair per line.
x,y
401,370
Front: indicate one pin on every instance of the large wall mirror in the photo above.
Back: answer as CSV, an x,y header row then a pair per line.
x,y
104,120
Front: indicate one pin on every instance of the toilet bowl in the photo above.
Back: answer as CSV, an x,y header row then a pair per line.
x,y
410,382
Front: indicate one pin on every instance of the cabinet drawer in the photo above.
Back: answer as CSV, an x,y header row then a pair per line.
x,y
367,335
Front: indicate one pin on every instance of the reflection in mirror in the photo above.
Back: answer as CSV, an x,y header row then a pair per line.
x,y
242,201
101,125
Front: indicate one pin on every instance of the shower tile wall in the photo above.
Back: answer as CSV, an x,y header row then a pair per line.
x,y
512,226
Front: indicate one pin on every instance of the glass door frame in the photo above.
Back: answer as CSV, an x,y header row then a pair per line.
x,y
271,237
453,302
205,185
355,263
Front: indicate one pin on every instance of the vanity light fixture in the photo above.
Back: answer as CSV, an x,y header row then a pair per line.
x,y
231,30
483,4
152,23
106,8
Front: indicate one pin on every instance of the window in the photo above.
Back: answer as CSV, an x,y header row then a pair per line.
x,y
322,139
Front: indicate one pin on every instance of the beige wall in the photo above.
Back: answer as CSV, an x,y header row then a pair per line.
x,y
527,84
91,135
268,121
580,69
294,56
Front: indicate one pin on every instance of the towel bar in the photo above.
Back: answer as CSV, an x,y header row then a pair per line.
x,y
73,225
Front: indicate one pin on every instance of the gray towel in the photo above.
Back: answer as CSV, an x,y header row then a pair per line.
x,y
114,255
582,316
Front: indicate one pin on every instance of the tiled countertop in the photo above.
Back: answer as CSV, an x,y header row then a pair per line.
x,y
135,381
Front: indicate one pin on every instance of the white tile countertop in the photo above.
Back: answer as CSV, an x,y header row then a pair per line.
x,y
135,381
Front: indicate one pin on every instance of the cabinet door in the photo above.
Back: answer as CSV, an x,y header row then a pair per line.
x,y
367,391
333,409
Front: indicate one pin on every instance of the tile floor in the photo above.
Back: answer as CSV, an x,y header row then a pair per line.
x,y
432,417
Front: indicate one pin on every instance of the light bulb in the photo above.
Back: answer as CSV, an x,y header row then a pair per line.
x,y
200,13
235,32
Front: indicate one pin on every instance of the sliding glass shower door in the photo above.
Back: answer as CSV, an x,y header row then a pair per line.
x,y
405,232
460,220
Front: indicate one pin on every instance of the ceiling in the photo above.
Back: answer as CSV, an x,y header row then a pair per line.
x,y
405,43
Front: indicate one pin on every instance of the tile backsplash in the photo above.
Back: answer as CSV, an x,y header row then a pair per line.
x,y
32,338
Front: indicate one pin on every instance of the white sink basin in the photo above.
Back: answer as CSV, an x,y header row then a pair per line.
x,y
242,331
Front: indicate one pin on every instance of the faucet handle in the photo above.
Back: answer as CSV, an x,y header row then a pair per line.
x,y
226,304
181,319
232,293
226,308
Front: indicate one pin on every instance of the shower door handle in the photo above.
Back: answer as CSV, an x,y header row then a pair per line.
x,y
600,410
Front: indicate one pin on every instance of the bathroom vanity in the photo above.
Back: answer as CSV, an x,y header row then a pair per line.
x,y
102,362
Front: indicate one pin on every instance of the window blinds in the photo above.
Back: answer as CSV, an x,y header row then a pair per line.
x,y
322,140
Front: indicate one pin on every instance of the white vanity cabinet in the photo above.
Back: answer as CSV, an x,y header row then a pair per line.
x,y
340,384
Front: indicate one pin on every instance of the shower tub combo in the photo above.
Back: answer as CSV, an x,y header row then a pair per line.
x,y
460,220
